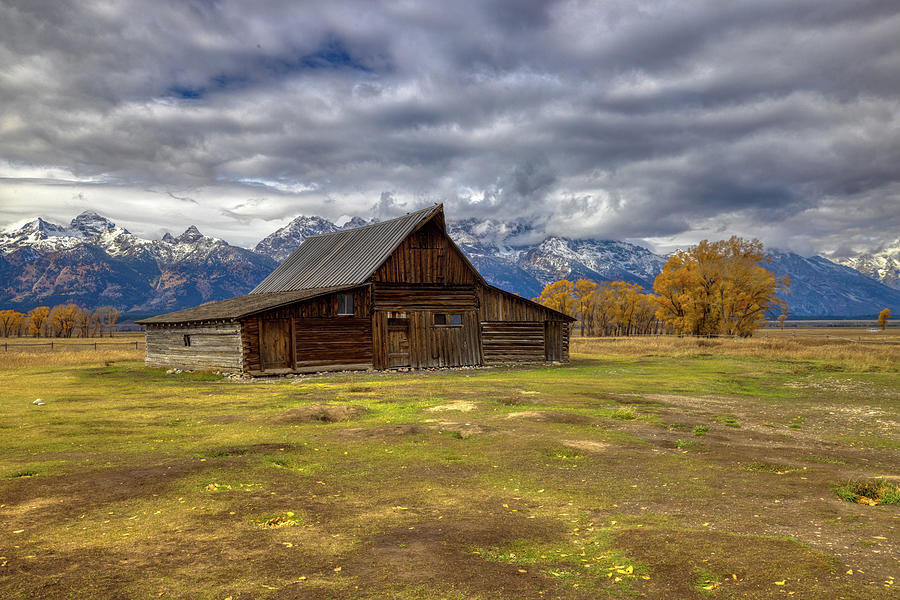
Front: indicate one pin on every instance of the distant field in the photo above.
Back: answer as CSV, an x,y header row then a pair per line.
x,y
649,467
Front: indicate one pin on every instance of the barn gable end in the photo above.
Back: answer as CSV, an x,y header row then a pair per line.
x,y
390,295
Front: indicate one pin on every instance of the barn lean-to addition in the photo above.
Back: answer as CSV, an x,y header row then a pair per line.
x,y
395,294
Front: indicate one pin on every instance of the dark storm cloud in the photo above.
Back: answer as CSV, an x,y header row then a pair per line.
x,y
649,119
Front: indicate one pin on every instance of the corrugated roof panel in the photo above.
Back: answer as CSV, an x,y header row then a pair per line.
x,y
344,257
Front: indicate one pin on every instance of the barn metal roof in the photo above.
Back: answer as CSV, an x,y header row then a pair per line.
x,y
241,306
346,257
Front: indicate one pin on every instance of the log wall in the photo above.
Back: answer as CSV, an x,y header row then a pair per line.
x,y
213,346
506,341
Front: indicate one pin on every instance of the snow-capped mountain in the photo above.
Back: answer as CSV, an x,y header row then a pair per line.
x,y
94,262
883,266
820,287
279,244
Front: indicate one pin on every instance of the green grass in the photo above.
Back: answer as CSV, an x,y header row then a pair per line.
x,y
183,485
872,491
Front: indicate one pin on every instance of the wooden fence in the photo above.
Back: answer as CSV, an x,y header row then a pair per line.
x,y
52,346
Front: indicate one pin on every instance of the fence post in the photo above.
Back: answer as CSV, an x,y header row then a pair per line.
x,y
135,345
95,345
51,344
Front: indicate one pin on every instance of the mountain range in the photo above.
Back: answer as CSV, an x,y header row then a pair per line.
x,y
94,262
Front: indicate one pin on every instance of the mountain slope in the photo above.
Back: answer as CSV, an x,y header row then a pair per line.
x,y
93,262
822,288
883,266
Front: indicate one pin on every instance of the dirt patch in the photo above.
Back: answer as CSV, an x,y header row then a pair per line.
x,y
433,551
466,430
744,566
552,416
322,413
384,431
586,445
460,405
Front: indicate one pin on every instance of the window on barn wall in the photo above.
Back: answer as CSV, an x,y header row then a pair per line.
x,y
345,304
187,340
447,320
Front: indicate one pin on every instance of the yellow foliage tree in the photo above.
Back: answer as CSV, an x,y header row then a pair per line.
x,y
11,323
558,296
717,287
62,319
37,317
585,299
883,317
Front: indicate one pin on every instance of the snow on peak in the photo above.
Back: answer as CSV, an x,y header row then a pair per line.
x,y
190,235
91,223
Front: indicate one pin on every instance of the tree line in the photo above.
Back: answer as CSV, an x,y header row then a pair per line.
x,y
63,320
717,287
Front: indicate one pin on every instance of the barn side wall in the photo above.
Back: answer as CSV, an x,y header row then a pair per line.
x,y
515,330
212,346
309,336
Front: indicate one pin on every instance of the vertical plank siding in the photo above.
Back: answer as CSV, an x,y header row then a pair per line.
x,y
426,256
212,346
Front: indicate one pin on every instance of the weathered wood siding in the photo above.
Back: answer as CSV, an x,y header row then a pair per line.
x,y
411,339
310,336
506,341
213,346
405,333
344,342
504,306
427,256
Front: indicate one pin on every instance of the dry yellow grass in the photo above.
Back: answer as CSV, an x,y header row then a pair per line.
x,y
25,352
866,355
65,358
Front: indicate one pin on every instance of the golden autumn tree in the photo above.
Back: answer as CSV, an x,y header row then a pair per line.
x,y
61,319
717,287
37,317
558,296
585,299
11,322
883,317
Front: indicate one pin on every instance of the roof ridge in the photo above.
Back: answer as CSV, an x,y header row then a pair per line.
x,y
409,214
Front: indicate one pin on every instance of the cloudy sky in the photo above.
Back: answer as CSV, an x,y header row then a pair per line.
x,y
660,121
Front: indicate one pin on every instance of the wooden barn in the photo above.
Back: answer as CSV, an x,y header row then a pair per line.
x,y
395,294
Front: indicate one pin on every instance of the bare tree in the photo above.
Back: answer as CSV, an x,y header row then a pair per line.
x,y
107,316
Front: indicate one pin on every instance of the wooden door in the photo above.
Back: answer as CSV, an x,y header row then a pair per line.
x,y
275,344
397,343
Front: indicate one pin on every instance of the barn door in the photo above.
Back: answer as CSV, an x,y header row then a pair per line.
x,y
275,344
397,343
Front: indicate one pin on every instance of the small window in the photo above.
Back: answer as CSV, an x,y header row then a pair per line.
x,y
445,320
345,304
187,340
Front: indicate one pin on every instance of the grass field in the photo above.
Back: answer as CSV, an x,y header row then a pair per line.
x,y
657,468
